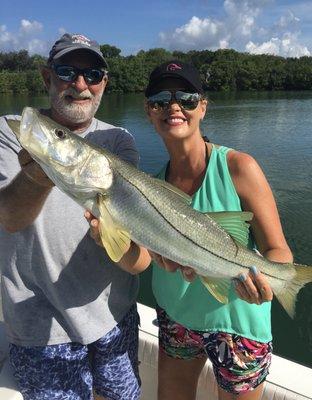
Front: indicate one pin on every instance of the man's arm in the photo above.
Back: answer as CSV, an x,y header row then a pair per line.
x,y
22,199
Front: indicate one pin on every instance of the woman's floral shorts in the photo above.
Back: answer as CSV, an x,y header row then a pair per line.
x,y
239,364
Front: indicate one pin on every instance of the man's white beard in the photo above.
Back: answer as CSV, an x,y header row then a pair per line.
x,y
74,113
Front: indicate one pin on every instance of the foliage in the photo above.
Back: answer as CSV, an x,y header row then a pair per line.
x,y
21,82
224,69
109,51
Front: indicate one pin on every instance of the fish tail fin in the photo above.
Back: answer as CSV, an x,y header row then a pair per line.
x,y
288,296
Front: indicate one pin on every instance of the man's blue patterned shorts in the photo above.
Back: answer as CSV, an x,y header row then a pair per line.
x,y
71,371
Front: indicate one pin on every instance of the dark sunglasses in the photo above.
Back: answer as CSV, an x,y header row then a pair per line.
x,y
161,100
68,73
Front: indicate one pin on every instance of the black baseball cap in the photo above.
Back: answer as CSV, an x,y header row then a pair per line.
x,y
70,42
174,69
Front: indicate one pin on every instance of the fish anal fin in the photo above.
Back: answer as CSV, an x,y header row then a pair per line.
x,y
218,288
115,239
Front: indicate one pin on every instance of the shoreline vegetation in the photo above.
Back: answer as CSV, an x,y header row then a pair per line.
x,y
221,70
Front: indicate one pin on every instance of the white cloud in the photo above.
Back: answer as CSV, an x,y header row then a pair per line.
x,y
208,33
26,38
4,35
28,27
288,46
197,32
241,15
36,46
242,28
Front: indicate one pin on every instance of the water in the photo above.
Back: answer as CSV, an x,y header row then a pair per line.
x,y
273,127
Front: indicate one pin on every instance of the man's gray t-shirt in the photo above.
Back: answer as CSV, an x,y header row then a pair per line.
x,y
57,285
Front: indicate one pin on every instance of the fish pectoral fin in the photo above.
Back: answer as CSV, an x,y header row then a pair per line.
x,y
218,288
234,223
115,239
14,125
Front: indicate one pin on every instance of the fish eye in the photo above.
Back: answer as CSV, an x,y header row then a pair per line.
x,y
60,134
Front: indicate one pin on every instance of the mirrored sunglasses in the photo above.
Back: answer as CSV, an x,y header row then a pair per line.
x,y
162,100
68,73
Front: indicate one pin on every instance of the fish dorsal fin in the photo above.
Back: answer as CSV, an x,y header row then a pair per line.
x,y
218,288
115,239
234,223
185,197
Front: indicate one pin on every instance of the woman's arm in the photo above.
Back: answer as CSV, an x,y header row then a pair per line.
x,y
256,196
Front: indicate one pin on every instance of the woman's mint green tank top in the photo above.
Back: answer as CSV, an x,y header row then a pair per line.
x,y
190,304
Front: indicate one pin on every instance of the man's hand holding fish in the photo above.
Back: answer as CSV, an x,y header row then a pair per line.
x,y
33,171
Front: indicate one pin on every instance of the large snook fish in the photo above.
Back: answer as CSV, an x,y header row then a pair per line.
x,y
132,205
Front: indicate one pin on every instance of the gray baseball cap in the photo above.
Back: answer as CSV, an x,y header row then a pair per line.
x,y
70,42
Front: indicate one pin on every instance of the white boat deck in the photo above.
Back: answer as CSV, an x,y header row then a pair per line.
x,y
287,380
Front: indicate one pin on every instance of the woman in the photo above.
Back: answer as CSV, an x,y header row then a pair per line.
x,y
193,325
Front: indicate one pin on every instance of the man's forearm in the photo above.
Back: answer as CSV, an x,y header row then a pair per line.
x,y
21,202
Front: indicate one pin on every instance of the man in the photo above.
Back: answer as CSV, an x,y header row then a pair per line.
x,y
70,313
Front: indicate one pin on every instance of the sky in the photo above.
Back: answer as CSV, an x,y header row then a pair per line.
x,y
280,27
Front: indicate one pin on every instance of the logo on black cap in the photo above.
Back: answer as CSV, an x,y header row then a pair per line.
x,y
173,67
